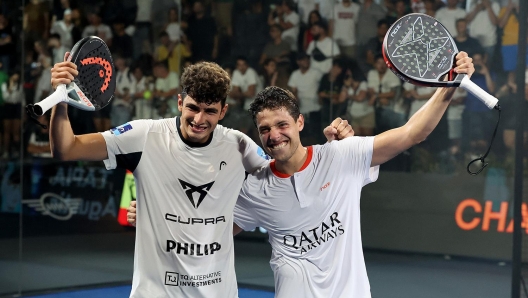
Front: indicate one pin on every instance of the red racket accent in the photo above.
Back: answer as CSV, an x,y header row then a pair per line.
x,y
105,64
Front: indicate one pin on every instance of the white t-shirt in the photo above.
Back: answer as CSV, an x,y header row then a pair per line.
x,y
243,81
64,31
168,83
306,85
454,112
417,104
174,31
291,35
448,18
482,28
326,7
144,10
359,108
345,20
185,200
329,48
389,81
313,220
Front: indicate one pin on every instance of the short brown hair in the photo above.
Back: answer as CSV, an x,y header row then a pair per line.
x,y
206,82
274,98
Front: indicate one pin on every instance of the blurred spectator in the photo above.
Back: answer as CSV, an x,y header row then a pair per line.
x,y
449,14
418,6
454,121
374,46
483,23
78,26
143,97
384,89
322,49
39,143
173,27
98,29
57,49
43,86
478,121
369,16
172,52
430,7
36,21
304,83
329,90
360,110
250,32
417,96
343,27
285,16
326,8
59,8
277,49
7,44
314,17
509,22
244,83
202,34
305,9
13,95
122,43
400,9
166,87
122,104
143,25
236,117
273,75
222,10
507,95
64,29
464,42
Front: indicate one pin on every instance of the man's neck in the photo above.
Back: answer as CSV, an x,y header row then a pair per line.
x,y
461,37
303,70
322,37
295,163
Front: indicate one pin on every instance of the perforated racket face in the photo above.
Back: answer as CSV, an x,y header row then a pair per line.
x,y
96,76
419,49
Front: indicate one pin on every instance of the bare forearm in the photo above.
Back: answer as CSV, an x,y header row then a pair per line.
x,y
62,138
423,122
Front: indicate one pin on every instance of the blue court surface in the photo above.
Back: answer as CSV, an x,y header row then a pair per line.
x,y
124,291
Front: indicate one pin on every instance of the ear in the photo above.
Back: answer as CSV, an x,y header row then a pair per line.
x,y
180,103
300,122
223,112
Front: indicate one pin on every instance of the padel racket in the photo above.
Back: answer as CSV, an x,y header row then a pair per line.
x,y
93,88
421,51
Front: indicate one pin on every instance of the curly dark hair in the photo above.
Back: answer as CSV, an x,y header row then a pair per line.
x,y
274,98
206,82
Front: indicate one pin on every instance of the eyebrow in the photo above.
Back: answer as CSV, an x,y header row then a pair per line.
x,y
207,110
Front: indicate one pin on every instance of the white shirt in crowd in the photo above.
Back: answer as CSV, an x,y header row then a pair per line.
x,y
291,35
144,11
174,31
416,104
306,85
243,81
359,108
389,81
305,7
329,48
170,82
454,112
326,7
43,87
185,197
345,20
313,220
97,30
125,83
482,28
64,31
448,18
12,96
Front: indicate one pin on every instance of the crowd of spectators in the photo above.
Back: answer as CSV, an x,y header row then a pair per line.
x,y
328,53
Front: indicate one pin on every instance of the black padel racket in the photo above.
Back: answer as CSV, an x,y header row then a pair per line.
x,y
93,88
420,50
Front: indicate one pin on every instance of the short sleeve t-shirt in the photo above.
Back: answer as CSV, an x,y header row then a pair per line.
x,y
482,28
356,108
306,85
448,18
243,81
313,220
345,20
168,83
185,199
329,48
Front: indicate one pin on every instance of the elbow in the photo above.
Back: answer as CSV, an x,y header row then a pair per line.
x,y
61,156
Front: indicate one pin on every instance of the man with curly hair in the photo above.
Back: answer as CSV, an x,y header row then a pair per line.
x,y
188,173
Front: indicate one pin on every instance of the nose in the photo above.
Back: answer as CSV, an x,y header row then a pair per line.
x,y
199,118
274,134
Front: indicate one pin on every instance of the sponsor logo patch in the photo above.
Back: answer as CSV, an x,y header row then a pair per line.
x,y
199,280
121,129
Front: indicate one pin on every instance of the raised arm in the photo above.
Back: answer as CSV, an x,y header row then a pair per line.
x,y
65,145
391,143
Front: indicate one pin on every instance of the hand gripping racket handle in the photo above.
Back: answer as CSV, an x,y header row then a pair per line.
x,y
489,100
60,95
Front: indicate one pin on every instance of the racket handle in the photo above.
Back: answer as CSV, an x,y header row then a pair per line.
x,y
489,100
49,102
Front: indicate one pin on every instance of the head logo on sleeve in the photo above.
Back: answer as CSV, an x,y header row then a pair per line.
x,y
262,154
121,129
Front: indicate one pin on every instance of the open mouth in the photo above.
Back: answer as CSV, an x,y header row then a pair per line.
x,y
198,128
278,146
